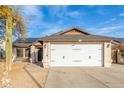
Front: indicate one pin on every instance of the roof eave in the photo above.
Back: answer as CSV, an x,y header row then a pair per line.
x,y
79,40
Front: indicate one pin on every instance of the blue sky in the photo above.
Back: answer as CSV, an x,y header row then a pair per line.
x,y
100,20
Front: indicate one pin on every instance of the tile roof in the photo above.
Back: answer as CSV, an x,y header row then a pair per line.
x,y
56,37
76,37
120,39
24,42
78,29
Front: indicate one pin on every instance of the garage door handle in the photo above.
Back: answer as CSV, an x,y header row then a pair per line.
x,y
63,57
89,57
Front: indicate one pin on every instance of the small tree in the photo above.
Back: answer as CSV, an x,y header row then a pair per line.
x,y
13,22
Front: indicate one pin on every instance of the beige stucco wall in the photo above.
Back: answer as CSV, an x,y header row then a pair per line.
x,y
46,55
34,52
73,32
107,54
14,54
107,59
32,49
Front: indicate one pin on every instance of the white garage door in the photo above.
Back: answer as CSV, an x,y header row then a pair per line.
x,y
76,55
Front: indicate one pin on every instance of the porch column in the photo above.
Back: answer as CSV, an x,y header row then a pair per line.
x,y
46,55
23,52
14,55
32,54
36,55
107,54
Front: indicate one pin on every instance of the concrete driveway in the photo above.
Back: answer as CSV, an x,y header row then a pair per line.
x,y
86,77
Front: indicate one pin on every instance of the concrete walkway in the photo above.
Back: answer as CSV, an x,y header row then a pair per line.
x,y
86,77
27,75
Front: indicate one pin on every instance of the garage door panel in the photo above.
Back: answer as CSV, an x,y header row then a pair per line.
x,y
76,55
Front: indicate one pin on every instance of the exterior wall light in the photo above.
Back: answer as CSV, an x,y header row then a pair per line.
x,y
80,40
45,46
108,45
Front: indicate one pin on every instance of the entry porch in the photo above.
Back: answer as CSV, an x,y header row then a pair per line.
x,y
32,53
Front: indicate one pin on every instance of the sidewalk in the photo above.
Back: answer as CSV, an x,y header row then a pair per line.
x,y
27,75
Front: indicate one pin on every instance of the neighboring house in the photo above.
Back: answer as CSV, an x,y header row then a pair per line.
x,y
73,47
117,52
2,48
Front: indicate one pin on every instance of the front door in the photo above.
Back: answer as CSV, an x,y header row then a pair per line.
x,y
40,54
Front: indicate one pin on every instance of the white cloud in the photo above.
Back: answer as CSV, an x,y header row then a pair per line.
x,y
111,28
57,10
102,10
31,11
33,16
39,27
113,19
63,12
76,14
107,29
109,21
49,31
121,14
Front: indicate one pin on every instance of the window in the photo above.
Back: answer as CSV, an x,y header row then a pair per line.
x,y
23,52
19,52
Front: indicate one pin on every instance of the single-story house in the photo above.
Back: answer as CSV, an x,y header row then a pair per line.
x,y
73,47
